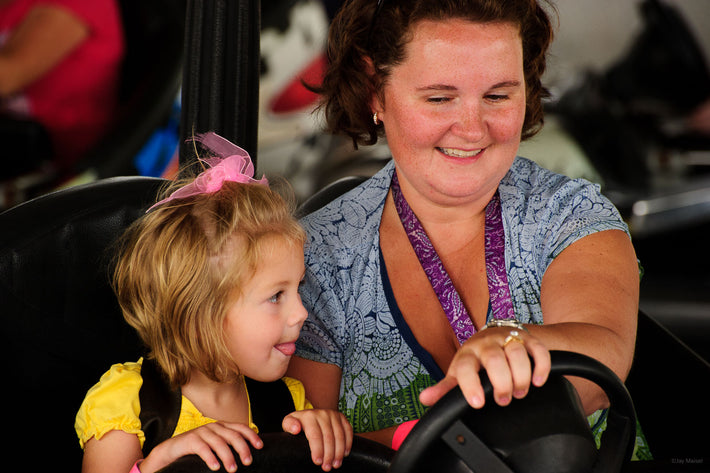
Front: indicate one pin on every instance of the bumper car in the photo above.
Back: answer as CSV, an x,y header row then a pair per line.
x,y
62,326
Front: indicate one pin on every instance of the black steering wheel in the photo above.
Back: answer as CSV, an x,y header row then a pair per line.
x,y
545,431
283,452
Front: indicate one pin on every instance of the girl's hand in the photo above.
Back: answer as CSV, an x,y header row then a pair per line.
x,y
504,353
329,434
211,442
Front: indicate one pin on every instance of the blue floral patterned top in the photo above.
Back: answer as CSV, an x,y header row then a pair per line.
x,y
354,321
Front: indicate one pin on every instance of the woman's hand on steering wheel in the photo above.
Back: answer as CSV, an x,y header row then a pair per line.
x,y
505,354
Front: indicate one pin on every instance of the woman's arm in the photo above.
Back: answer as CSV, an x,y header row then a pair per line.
x,y
322,383
589,299
46,36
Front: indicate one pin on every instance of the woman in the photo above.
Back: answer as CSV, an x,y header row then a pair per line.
x,y
454,86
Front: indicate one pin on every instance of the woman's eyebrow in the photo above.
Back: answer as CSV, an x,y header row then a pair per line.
x,y
437,87
507,83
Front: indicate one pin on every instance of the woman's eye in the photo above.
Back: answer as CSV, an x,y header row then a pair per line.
x,y
438,99
497,97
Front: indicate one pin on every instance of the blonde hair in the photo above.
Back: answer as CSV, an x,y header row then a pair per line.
x,y
180,266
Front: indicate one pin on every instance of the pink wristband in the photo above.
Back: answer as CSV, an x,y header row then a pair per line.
x,y
135,467
401,433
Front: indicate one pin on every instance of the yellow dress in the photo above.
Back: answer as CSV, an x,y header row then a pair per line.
x,y
113,404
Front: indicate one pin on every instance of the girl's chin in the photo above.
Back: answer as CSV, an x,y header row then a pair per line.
x,y
267,375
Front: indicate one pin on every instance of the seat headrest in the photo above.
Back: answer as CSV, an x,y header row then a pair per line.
x,y
61,323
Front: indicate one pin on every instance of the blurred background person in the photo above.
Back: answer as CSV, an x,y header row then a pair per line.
x,y
60,64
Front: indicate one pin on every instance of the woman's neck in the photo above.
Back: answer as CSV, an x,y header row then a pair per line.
x,y
449,227
445,214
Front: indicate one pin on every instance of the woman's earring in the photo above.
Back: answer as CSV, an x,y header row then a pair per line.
x,y
374,119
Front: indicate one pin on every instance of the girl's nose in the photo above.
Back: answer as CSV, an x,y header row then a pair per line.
x,y
299,313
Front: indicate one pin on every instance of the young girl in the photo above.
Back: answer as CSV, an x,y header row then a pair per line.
x,y
209,279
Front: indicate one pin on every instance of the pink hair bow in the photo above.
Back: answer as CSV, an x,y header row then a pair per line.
x,y
235,167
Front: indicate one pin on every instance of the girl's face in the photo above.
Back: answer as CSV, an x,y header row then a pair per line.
x,y
261,327
453,110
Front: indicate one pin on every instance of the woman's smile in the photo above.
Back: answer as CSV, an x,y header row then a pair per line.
x,y
460,153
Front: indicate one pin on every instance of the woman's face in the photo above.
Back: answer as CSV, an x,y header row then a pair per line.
x,y
453,111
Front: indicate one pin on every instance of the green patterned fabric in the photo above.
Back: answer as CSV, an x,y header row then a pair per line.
x,y
598,423
368,414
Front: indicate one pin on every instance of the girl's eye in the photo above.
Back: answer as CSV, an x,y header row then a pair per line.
x,y
276,297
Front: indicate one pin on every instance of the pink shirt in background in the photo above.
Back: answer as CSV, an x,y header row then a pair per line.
x,y
77,99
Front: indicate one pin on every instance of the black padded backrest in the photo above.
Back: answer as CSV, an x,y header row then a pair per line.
x,y
61,325
329,193
668,383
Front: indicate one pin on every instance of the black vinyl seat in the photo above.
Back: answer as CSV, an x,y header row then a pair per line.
x,y
61,324
667,383
328,193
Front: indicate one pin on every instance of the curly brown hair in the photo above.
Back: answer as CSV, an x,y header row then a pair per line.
x,y
361,32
